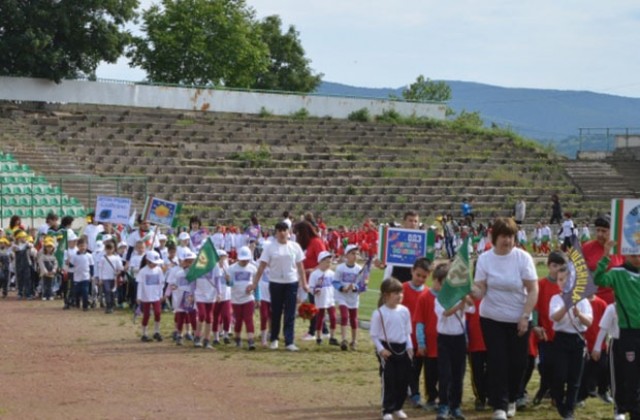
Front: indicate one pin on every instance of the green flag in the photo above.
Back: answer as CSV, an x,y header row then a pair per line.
x,y
62,247
205,262
458,282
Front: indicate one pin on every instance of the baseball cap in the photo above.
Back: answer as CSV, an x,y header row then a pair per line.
x,y
323,255
245,254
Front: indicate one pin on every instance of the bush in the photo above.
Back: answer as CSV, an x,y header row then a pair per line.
x,y
265,113
301,114
390,115
361,115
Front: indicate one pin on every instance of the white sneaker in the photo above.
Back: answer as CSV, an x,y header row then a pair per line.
x,y
619,417
387,417
499,415
292,347
308,337
400,414
274,345
512,410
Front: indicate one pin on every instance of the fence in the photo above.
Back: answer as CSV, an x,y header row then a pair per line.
x,y
607,139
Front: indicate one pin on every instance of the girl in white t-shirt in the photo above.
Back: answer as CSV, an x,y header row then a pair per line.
x,y
150,280
241,275
347,296
181,291
222,306
265,307
321,285
568,346
205,295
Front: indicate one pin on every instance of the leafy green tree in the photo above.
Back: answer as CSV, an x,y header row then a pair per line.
x,y
200,42
288,67
426,90
60,39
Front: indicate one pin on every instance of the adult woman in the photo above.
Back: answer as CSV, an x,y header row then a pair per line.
x,y
556,210
506,279
308,239
284,259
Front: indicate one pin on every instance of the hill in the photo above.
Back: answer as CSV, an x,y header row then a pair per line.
x,y
548,116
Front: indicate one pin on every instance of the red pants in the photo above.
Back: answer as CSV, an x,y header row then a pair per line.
x,y
243,313
205,312
146,312
265,314
349,314
185,317
222,313
320,318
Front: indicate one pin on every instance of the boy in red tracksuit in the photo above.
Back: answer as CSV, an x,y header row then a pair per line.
x,y
595,376
412,290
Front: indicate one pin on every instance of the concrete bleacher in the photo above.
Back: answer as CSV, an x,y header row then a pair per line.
x,y
225,166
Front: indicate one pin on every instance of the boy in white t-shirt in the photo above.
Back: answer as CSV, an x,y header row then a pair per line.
x,y
241,275
347,296
321,285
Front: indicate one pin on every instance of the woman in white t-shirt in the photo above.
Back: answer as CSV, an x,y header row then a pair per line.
x,y
284,259
506,280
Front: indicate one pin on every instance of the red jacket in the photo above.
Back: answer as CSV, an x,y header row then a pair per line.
x,y
593,252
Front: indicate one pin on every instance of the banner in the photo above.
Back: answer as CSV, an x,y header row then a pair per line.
x,y
401,247
160,212
579,283
114,210
431,245
625,226
62,247
363,276
205,262
458,282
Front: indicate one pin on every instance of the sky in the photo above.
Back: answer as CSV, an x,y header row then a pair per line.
x,y
548,44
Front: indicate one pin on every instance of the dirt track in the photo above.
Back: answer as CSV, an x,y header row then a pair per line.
x,y
75,365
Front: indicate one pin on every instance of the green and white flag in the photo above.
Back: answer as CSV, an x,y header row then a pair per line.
x,y
205,262
62,247
458,282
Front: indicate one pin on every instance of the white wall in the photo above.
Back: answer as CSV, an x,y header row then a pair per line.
x,y
632,140
132,95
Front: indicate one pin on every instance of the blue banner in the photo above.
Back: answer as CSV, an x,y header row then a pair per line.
x,y
404,246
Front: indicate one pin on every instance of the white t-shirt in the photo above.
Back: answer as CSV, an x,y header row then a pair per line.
x,y
567,229
108,271
321,285
218,240
240,278
282,260
453,324
206,289
150,284
184,290
220,280
397,324
504,274
609,321
81,266
345,276
569,322
68,254
263,286
134,263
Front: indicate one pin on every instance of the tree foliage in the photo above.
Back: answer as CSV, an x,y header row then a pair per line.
x,y
201,42
426,90
59,39
288,67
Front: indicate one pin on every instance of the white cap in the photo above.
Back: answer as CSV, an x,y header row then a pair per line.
x,y
105,238
71,235
188,254
323,255
183,236
153,257
123,243
221,252
350,248
162,237
99,246
244,254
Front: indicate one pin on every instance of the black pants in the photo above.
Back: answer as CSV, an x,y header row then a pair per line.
x,y
568,361
528,372
479,376
4,281
414,385
545,368
47,287
431,382
506,360
451,366
595,377
395,373
626,361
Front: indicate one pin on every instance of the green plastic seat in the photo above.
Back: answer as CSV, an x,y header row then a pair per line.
x,y
13,201
42,201
53,201
6,190
26,189
74,201
24,201
6,213
81,212
37,189
40,213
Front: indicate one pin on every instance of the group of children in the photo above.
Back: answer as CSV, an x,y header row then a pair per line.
x,y
414,335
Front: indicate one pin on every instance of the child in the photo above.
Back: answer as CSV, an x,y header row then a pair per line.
x,y
22,258
625,282
67,289
585,235
48,265
321,285
5,262
391,334
348,298
181,291
545,249
122,280
109,267
427,334
184,243
522,238
411,292
566,231
595,376
569,323
205,294
240,276
609,328
537,239
133,268
150,280
477,352
452,349
222,306
265,307
82,263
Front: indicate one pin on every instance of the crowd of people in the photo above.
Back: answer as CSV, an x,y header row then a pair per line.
x,y
510,323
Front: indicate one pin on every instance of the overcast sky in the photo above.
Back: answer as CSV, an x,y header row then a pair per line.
x,y
568,45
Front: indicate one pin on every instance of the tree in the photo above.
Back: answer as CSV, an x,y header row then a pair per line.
x,y
427,90
60,39
200,42
288,68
